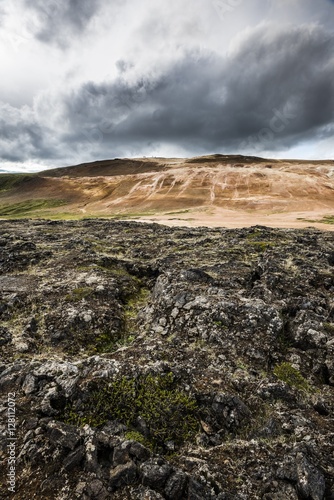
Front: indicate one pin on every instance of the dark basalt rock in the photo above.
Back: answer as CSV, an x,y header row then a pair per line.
x,y
5,336
231,330
155,473
122,475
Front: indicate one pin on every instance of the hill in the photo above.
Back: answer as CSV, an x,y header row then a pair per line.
x,y
214,190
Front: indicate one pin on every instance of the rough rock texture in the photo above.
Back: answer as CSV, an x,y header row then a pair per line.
x,y
110,329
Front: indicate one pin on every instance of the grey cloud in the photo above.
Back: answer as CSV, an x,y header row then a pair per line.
x,y
274,91
58,21
22,137
279,80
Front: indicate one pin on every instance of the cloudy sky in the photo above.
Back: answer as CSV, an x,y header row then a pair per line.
x,y
84,80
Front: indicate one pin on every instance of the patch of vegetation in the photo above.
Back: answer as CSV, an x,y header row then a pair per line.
x,y
118,271
327,219
329,328
255,234
28,207
261,246
10,181
166,412
105,343
220,324
291,376
284,341
78,294
83,337
137,436
178,212
136,301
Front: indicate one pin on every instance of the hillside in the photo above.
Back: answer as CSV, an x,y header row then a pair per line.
x,y
216,190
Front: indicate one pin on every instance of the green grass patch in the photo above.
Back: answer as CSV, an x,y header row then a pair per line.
x,y
11,181
28,207
168,413
132,307
327,219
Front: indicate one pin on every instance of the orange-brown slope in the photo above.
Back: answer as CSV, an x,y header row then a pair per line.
x,y
157,185
255,186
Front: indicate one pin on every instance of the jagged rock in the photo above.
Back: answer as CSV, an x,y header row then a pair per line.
x,y
230,411
5,336
310,482
74,458
96,490
121,454
321,408
276,390
144,493
280,491
63,435
53,401
196,491
91,450
91,488
123,474
175,486
239,324
154,473
138,452
30,384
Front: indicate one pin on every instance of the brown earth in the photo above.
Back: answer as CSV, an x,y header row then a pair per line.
x,y
217,190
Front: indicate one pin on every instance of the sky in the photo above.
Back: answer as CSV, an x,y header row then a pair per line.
x,y
85,80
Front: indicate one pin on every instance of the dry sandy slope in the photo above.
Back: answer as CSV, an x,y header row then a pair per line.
x,y
232,191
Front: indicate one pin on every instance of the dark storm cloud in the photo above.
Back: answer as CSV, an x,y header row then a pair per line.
x,y
272,92
276,89
58,21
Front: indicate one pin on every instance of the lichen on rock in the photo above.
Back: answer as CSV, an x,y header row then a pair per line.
x,y
151,362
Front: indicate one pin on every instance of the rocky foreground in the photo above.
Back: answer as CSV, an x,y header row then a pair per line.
x,y
145,362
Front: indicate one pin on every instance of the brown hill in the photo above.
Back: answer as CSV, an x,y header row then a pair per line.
x,y
224,190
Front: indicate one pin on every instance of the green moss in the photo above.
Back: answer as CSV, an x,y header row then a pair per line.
x,y
134,303
221,325
104,343
291,376
261,246
329,327
169,413
136,436
78,294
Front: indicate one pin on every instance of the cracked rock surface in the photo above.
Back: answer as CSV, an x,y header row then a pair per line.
x,y
167,363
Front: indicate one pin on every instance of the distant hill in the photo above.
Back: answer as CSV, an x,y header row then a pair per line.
x,y
213,190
